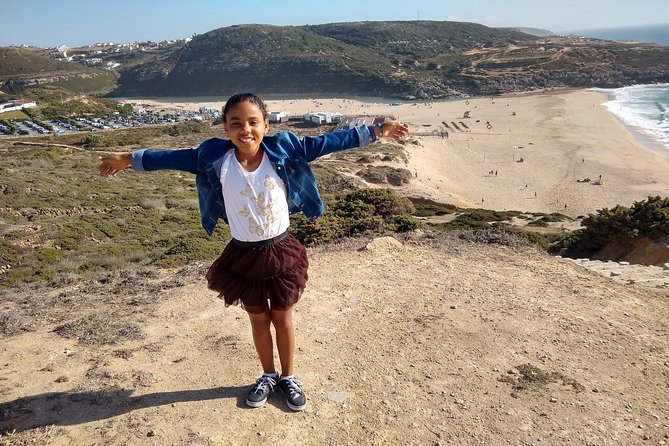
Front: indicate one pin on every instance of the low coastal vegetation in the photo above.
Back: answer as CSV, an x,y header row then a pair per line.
x,y
61,221
621,226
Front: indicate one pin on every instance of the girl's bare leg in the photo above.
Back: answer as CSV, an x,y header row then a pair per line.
x,y
262,338
285,338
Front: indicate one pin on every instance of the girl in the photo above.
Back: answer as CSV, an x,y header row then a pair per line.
x,y
253,182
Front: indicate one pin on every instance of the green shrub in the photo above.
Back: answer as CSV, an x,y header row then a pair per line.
x,y
385,201
94,140
361,212
404,223
433,209
187,248
325,229
186,128
477,219
8,252
648,218
651,217
49,255
354,209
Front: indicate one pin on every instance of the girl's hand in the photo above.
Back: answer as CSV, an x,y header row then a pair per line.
x,y
112,165
395,130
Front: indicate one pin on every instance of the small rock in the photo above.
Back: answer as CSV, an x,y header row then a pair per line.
x,y
384,245
595,390
453,307
151,433
553,400
338,397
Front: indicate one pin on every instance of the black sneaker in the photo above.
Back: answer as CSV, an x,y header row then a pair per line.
x,y
260,391
292,389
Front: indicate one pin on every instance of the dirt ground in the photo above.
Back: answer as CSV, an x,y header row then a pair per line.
x,y
419,341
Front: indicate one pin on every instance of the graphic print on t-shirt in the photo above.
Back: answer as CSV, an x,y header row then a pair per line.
x,y
255,202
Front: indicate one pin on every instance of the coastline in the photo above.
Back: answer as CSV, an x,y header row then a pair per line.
x,y
562,136
648,139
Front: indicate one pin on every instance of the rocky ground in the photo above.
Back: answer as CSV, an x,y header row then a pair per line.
x,y
422,341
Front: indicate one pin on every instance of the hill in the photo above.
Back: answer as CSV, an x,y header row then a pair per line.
x,y
532,31
423,341
29,67
400,59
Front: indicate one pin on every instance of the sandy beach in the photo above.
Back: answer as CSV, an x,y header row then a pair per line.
x,y
561,138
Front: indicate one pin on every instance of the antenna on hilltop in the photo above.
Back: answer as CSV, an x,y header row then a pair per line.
x,y
418,13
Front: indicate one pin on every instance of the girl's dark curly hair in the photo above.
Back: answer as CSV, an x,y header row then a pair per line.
x,y
241,97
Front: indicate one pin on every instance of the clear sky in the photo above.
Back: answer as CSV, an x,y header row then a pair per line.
x,y
49,23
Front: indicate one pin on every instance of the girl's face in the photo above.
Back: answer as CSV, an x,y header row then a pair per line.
x,y
246,126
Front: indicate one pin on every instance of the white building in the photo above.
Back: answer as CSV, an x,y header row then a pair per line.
x,y
322,118
279,116
16,105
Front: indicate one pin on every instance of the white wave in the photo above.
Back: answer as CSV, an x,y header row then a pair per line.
x,y
644,107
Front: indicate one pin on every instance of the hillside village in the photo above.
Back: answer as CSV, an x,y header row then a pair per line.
x,y
106,55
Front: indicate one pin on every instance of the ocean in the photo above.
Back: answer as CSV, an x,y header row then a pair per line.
x,y
644,108
649,33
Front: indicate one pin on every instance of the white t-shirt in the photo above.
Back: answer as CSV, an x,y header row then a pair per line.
x,y
255,202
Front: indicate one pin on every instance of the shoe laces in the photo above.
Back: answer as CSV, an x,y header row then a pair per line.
x,y
263,384
294,386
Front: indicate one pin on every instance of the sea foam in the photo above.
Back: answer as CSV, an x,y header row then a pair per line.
x,y
644,107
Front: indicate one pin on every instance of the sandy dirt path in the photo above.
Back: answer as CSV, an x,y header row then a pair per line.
x,y
398,343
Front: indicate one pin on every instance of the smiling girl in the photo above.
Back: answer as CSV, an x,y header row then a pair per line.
x,y
254,182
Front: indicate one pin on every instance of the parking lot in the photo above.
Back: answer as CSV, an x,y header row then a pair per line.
x,y
90,124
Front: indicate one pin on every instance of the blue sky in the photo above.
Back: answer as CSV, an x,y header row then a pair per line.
x,y
77,22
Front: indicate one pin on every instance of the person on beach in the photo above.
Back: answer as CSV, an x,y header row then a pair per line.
x,y
253,182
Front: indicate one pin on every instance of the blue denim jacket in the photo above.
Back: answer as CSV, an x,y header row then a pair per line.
x,y
288,153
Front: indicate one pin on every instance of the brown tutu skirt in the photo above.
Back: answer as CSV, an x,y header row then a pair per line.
x,y
258,276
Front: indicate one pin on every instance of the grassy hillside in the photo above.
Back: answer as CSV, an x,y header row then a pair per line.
x,y
400,59
27,67
31,61
349,58
61,220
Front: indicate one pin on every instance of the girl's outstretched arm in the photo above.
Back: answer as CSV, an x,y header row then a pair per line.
x,y
111,165
360,136
146,160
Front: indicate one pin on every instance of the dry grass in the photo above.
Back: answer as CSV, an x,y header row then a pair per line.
x,y
100,328
33,437
13,322
530,377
